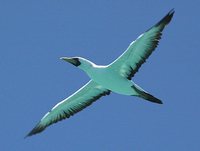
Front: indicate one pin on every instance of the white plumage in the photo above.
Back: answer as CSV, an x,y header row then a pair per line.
x,y
115,77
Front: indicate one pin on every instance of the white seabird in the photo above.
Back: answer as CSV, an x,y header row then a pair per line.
x,y
115,77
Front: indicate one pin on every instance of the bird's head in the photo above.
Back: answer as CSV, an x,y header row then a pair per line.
x,y
82,63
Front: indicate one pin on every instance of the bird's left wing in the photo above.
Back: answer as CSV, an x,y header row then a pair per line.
x,y
82,98
139,50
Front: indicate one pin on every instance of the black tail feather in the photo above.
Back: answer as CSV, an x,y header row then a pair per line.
x,y
145,95
150,98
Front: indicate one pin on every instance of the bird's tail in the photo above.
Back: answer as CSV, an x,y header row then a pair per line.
x,y
143,94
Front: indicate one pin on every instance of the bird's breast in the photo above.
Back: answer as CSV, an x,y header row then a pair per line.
x,y
111,80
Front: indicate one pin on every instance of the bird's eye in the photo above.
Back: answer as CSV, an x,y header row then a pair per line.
x,y
76,61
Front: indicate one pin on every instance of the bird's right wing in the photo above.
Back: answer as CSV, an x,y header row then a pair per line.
x,y
82,98
139,50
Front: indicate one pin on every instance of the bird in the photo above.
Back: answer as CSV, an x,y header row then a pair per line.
x,y
115,77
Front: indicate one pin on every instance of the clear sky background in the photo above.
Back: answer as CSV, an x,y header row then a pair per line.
x,y
35,34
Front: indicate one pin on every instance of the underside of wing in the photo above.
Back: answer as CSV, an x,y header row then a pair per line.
x,y
71,105
139,50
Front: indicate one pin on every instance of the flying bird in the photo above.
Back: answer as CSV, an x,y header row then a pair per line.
x,y
115,77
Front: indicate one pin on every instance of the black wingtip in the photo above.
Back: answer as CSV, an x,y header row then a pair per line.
x,y
170,14
165,20
37,129
171,11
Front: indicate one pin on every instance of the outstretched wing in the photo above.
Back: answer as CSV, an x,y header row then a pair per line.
x,y
82,98
139,50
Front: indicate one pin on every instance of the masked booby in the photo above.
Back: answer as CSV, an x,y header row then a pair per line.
x,y
115,77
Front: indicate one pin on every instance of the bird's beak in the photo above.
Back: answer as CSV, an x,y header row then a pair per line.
x,y
74,61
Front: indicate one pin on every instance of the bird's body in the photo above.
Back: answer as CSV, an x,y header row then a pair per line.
x,y
110,79
115,77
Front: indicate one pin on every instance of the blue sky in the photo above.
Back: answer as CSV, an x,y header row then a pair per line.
x,y
35,34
